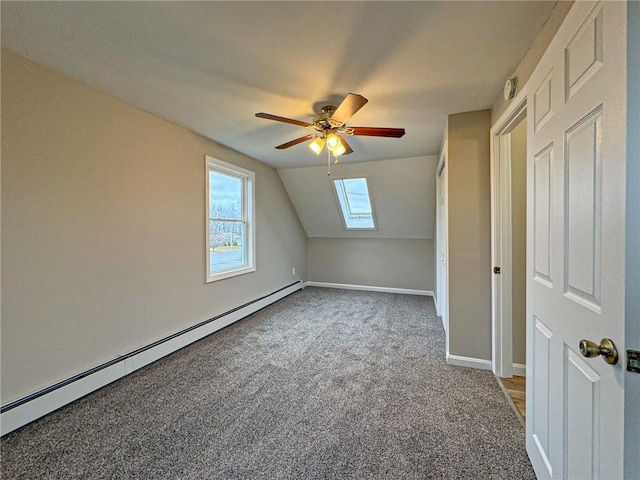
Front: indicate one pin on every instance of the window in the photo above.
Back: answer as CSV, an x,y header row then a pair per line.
x,y
355,203
230,220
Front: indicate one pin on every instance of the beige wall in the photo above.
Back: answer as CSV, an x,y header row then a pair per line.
x,y
469,234
519,239
526,66
402,192
103,229
380,262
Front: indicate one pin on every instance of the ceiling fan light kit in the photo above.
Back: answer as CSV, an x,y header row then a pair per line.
x,y
317,145
330,124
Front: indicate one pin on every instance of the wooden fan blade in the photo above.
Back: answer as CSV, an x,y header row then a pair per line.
x,y
292,121
378,131
349,106
295,142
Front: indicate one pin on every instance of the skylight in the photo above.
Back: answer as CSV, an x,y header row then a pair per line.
x,y
355,203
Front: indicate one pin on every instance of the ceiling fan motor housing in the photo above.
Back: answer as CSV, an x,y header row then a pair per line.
x,y
322,119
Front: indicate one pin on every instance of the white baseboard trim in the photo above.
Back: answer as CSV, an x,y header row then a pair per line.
x,y
439,314
23,411
519,370
346,286
469,362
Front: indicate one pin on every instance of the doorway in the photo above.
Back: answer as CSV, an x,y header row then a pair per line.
x,y
518,157
441,244
508,248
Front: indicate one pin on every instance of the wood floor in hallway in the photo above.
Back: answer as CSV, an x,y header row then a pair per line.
x,y
515,388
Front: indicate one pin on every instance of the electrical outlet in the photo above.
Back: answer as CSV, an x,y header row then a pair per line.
x,y
293,271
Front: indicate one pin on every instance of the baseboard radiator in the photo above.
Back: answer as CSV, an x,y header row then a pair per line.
x,y
31,407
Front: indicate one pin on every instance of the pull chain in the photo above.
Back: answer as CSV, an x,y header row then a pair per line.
x,y
335,159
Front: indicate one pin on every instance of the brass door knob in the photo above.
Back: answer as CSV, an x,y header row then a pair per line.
x,y
606,348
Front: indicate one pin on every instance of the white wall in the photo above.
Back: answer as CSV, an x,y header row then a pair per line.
x,y
103,229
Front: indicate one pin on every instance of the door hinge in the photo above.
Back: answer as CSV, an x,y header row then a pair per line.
x,y
496,270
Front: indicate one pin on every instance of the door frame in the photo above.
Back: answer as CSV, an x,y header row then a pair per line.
x,y
441,243
501,284
632,236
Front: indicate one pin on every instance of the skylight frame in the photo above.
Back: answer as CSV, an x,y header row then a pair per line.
x,y
340,191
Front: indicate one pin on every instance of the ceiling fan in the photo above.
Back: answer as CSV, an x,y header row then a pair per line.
x,y
331,123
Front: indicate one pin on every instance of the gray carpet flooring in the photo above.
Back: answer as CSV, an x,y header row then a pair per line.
x,y
325,384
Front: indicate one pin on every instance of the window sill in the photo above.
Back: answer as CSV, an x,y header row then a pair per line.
x,y
229,274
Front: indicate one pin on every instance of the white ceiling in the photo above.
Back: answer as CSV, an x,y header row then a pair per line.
x,y
210,66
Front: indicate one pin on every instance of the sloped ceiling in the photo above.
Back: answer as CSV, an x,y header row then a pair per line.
x,y
210,66
402,193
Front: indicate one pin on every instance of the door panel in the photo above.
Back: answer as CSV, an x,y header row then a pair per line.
x,y
583,206
584,53
542,216
582,399
575,263
542,111
540,392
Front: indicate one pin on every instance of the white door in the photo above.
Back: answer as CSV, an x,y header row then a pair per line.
x,y
575,237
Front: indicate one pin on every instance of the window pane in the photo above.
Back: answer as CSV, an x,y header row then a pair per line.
x,y
230,245
357,196
355,204
225,196
227,241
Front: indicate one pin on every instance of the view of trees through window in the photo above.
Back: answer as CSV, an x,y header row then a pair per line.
x,y
226,222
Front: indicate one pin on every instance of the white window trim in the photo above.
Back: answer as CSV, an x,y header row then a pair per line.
x,y
248,217
340,212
